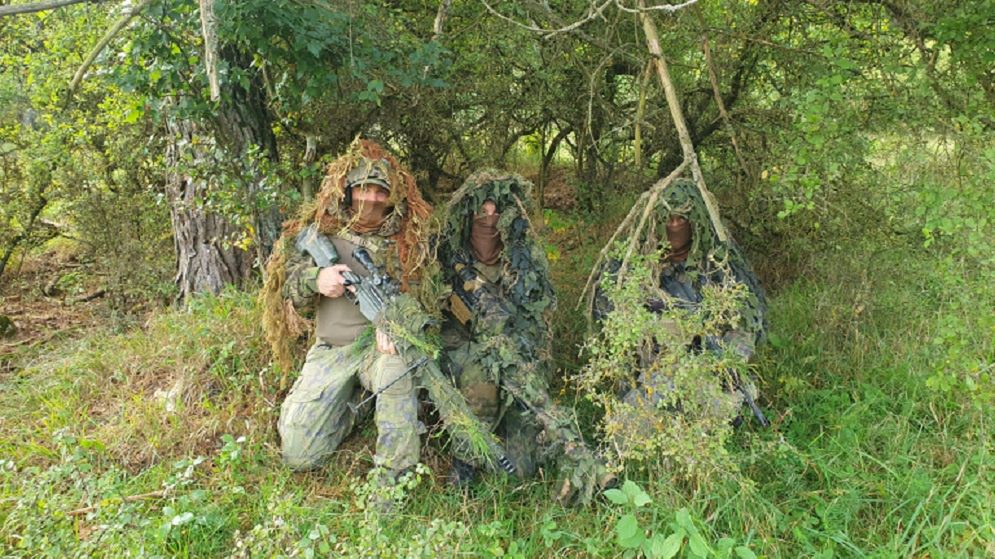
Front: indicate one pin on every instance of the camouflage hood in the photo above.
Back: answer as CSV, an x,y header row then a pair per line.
x,y
406,226
524,265
707,253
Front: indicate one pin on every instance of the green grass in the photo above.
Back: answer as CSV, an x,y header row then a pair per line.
x,y
877,377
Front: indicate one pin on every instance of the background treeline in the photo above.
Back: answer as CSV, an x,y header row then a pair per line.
x,y
850,146
838,119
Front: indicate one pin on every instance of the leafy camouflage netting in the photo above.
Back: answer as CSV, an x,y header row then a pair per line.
x,y
708,255
406,323
529,294
665,365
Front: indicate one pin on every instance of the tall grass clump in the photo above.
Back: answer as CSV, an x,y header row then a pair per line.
x,y
166,390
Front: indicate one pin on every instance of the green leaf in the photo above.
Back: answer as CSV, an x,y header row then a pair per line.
x,y
697,544
668,547
616,496
627,526
628,532
684,519
642,499
744,552
724,547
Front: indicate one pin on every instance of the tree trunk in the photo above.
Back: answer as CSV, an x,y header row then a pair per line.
x,y
548,152
209,251
244,121
206,258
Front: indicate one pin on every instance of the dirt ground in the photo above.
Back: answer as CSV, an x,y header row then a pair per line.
x,y
43,299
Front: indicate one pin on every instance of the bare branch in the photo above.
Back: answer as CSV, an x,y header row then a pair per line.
x,y
687,147
666,8
714,78
637,145
440,19
593,12
208,27
647,210
39,7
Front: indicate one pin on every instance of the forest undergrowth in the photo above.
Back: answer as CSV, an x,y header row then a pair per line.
x,y
160,440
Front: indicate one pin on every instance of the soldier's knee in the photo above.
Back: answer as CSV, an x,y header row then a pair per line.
x,y
303,462
394,378
306,442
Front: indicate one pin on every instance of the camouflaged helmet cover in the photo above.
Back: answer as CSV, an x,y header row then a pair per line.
x,y
708,253
524,259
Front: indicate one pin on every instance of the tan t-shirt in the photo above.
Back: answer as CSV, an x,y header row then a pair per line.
x,y
338,320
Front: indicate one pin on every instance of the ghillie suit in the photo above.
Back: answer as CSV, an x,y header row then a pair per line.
x,y
405,229
498,336
708,261
316,414
687,323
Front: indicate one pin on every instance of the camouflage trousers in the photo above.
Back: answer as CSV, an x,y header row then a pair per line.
x,y
316,416
508,419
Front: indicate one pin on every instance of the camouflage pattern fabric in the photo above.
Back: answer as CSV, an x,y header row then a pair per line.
x,y
501,358
315,416
524,285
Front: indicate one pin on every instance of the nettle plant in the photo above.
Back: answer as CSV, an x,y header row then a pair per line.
x,y
642,533
683,417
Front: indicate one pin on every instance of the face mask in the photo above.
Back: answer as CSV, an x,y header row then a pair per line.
x,y
485,241
367,216
679,237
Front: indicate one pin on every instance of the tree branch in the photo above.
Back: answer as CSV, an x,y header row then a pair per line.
x,y
102,44
208,28
687,147
39,7
714,78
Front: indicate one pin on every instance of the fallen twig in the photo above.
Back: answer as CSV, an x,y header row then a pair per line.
x,y
84,298
128,499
